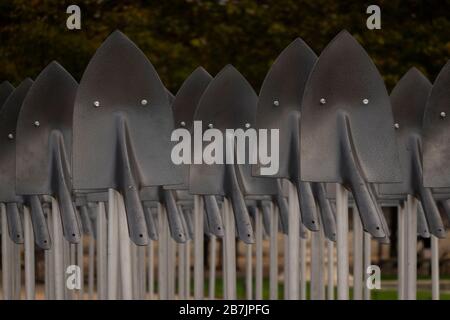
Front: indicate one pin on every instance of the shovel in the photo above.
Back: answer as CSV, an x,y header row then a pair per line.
x,y
44,135
122,125
10,201
5,90
436,151
220,107
8,119
345,104
184,106
279,108
408,101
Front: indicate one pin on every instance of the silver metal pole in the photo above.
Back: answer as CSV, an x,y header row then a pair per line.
x,y
285,267
181,271
102,271
259,255
411,263
113,244
357,256
248,271
151,269
91,267
317,283
342,241
273,253
230,251
6,266
367,263
29,255
330,286
434,267
162,254
293,242
303,255
188,269
171,263
198,248
401,252
124,251
212,266
50,254
80,263
58,243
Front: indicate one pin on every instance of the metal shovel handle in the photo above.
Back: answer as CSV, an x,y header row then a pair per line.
x,y
425,196
173,216
241,215
40,228
213,215
15,228
367,205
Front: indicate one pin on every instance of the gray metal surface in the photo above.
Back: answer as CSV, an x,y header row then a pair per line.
x,y
408,101
227,103
279,108
131,149
436,133
44,129
345,104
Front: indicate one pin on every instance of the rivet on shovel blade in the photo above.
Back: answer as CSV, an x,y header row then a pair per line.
x,y
276,103
443,114
366,101
37,123
396,126
323,101
247,125
210,125
10,136
182,123
144,102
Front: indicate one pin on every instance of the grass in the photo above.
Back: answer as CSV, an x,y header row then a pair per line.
x,y
382,294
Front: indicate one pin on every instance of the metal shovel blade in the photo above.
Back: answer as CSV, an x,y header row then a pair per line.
x,y
223,106
44,146
279,108
436,133
345,105
5,90
122,127
184,106
408,101
8,121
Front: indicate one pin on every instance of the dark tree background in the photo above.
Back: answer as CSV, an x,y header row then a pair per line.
x,y
180,35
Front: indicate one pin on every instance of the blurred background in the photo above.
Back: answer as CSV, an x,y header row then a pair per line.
x,y
180,35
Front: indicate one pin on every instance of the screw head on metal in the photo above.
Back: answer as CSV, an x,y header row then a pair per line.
x,y
323,101
37,123
247,125
276,103
183,124
366,101
96,104
443,114
10,136
396,126
210,125
144,102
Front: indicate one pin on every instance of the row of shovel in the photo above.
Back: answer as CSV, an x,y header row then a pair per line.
x,y
93,161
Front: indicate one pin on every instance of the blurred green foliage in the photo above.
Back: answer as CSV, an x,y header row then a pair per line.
x,y
180,35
